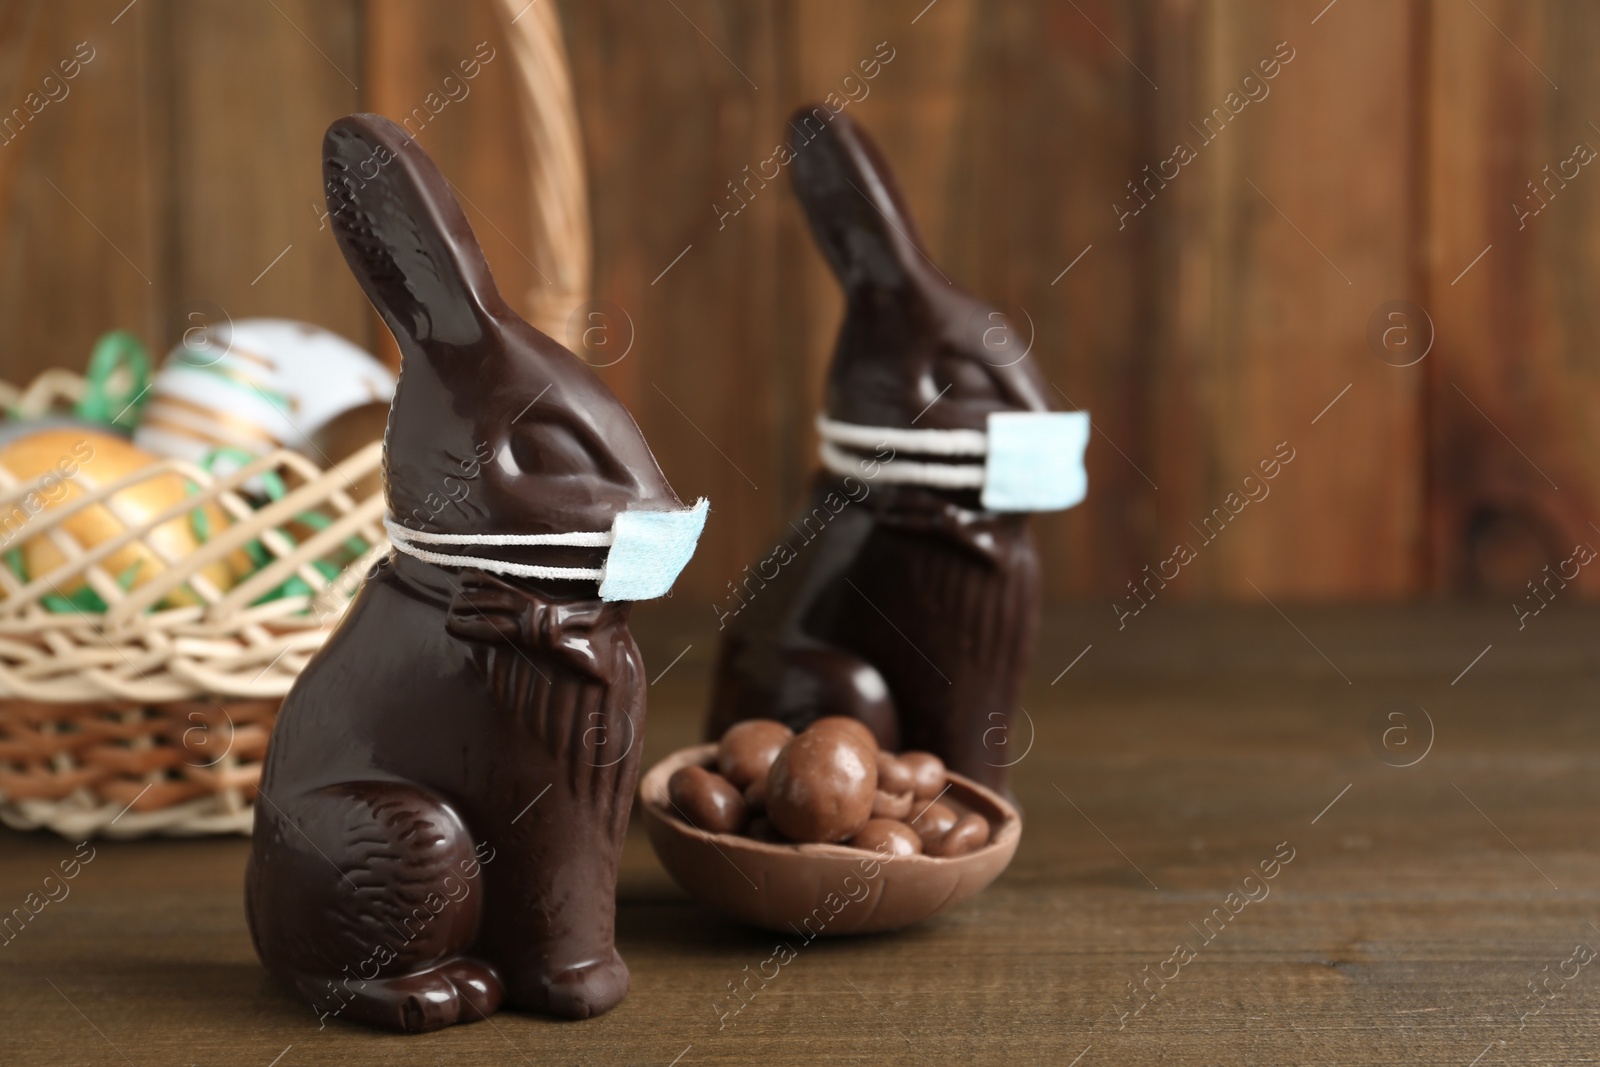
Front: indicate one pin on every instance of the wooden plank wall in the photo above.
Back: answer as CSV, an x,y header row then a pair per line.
x,y
1520,326
1216,318
160,187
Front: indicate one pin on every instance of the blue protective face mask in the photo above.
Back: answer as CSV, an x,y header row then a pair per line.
x,y
1035,460
647,551
1024,461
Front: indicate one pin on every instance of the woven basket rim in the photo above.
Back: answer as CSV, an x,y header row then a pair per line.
x,y
146,649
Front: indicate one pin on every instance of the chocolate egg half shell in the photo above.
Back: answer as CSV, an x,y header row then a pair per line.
x,y
902,885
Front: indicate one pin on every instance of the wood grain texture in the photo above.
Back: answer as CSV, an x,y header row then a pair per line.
x,y
246,181
701,299
1516,330
471,127
82,185
1290,225
1046,143
1407,927
1217,322
159,190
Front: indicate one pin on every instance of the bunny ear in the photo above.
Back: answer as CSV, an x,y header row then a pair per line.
x,y
852,201
403,233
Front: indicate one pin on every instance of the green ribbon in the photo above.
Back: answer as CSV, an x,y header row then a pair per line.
x,y
259,555
83,601
118,379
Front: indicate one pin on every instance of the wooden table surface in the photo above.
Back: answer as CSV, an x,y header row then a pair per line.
x,y
1443,912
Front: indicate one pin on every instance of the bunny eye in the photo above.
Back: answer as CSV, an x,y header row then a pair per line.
x,y
966,378
550,448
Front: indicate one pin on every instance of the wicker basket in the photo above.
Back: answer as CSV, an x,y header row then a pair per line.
x,y
154,720
147,720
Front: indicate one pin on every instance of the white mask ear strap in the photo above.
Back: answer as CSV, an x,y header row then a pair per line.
x,y
646,551
899,471
406,540
904,471
581,540
927,442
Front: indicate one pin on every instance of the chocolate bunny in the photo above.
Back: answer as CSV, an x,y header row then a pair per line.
x,y
443,803
914,610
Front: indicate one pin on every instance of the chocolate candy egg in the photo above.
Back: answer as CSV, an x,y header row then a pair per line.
x,y
707,801
933,822
893,776
892,805
748,749
927,772
970,833
842,723
888,836
77,461
821,787
755,796
761,829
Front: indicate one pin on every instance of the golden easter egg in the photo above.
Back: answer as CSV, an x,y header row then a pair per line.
x,y
75,461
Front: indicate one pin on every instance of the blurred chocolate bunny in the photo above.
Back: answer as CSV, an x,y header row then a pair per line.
x,y
444,799
914,610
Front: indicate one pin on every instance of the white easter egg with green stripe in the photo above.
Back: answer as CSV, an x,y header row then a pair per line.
x,y
256,385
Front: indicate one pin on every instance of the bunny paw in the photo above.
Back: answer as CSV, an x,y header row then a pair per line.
x,y
460,990
577,993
